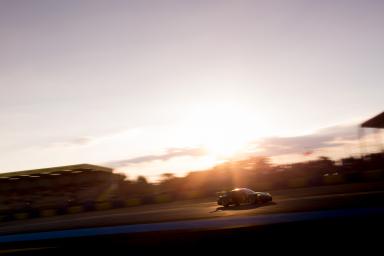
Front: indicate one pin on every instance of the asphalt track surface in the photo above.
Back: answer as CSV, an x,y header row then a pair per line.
x,y
347,196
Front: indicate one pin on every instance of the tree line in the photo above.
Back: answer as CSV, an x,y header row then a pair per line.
x,y
257,173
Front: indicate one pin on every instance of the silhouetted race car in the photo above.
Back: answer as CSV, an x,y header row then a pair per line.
x,y
242,195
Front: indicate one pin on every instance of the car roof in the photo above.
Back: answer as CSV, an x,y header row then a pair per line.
x,y
244,189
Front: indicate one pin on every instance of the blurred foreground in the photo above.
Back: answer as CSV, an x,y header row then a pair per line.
x,y
82,188
342,218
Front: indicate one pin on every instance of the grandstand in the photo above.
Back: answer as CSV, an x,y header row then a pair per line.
x,y
57,188
375,122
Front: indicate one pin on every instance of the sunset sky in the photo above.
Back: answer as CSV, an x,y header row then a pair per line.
x,y
149,87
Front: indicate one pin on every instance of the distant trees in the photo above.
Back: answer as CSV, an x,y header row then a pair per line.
x,y
257,173
167,176
137,188
141,180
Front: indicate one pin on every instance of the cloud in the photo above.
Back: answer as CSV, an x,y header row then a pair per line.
x,y
328,137
73,142
170,153
80,141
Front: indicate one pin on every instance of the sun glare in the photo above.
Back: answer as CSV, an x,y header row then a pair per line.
x,y
221,130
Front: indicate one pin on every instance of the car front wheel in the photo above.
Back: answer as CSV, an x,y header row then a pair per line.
x,y
224,203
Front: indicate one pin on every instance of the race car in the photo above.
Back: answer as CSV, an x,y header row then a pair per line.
x,y
241,196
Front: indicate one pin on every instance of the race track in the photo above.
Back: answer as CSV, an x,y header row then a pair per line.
x,y
364,195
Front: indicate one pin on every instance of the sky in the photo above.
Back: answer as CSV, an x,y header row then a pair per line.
x,y
149,87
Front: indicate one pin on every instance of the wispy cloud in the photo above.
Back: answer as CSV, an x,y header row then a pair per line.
x,y
85,140
329,137
169,154
81,141
72,142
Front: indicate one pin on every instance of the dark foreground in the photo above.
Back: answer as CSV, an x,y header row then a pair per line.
x,y
328,219
337,235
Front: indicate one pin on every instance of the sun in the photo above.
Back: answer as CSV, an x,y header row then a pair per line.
x,y
224,145
222,130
